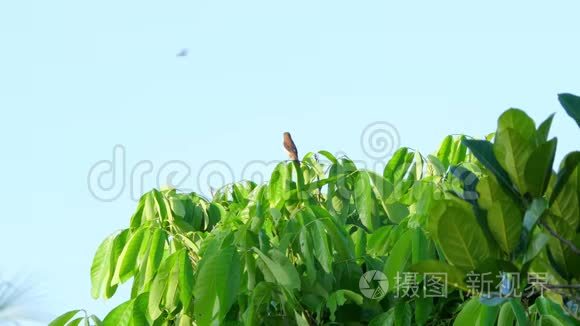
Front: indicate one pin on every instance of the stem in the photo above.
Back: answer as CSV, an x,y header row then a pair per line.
x,y
563,286
300,180
559,237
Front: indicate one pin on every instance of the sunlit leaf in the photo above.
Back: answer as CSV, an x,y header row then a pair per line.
x,y
504,217
461,238
64,318
217,283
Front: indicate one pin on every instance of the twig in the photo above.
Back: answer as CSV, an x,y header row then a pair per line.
x,y
564,293
563,286
559,237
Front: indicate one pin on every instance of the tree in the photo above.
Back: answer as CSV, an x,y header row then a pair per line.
x,y
15,303
305,247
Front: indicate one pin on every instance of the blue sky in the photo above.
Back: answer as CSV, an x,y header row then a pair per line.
x,y
79,77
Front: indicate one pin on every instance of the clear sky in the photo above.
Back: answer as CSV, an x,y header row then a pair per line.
x,y
79,77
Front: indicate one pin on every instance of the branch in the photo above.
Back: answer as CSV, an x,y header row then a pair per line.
x,y
559,237
563,286
568,291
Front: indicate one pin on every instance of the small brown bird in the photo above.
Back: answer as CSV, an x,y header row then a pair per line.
x,y
290,147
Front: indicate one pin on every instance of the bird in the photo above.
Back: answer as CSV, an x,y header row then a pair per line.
x,y
290,147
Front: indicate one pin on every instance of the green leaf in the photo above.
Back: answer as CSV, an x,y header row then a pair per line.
x,y
127,262
398,165
419,162
458,151
329,156
504,217
444,152
506,315
339,239
177,206
519,311
423,309
531,217
422,247
437,165
121,315
515,140
96,320
512,152
571,103
455,276
160,286
101,267
75,322
534,212
278,269
359,238
300,319
322,250
384,319
537,242
573,259
267,302
306,249
339,298
488,315
171,299
217,284
149,206
314,185
547,320
399,258
161,204
483,151
397,212
381,188
185,320
544,129
214,214
129,313
568,166
137,217
403,314
64,318
539,168
364,201
461,238
565,210
516,120
377,244
279,184
155,253
186,281
469,314
116,249
557,258
547,307
140,310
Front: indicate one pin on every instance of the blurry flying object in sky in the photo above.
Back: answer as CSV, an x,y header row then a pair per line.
x,y
182,53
